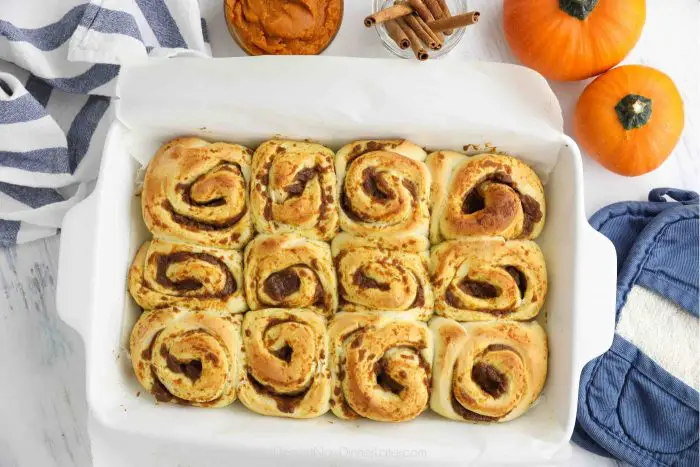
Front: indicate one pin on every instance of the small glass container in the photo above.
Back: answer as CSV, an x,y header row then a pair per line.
x,y
457,7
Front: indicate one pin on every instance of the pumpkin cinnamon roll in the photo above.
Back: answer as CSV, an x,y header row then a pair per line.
x,y
166,274
187,357
484,278
487,372
384,188
378,274
380,366
290,271
197,192
284,372
293,189
486,194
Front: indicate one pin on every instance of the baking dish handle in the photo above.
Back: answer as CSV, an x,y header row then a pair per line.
x,y
76,265
599,273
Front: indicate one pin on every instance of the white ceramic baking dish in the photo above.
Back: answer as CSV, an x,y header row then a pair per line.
x,y
334,100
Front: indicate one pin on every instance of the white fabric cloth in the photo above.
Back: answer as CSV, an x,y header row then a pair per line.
x,y
58,66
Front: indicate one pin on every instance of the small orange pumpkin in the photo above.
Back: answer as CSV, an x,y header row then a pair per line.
x,y
629,119
572,39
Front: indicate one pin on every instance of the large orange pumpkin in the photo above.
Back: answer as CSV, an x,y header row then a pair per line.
x,y
629,119
572,39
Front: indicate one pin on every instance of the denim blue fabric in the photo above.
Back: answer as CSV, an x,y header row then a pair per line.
x,y
631,408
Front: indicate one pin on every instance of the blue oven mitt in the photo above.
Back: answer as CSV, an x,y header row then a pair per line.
x,y
638,402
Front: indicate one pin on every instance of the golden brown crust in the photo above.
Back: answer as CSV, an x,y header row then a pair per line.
x,y
196,191
379,274
187,357
290,271
487,372
486,194
384,188
380,366
284,371
485,278
293,189
166,274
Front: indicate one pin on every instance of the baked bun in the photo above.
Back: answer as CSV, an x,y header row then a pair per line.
x,y
486,194
380,366
166,274
293,189
487,372
197,192
290,271
378,274
187,357
384,188
485,278
284,369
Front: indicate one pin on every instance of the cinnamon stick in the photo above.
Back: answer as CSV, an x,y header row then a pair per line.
x,y
424,33
440,37
397,34
418,50
393,12
435,9
422,10
447,14
454,22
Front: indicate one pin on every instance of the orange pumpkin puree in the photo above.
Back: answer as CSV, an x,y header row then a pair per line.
x,y
284,27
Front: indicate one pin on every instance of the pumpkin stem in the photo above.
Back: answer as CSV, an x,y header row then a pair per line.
x,y
633,111
578,8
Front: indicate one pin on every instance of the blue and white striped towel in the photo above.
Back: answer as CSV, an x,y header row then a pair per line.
x,y
58,64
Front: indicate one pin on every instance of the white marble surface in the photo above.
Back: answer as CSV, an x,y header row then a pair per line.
x,y
43,414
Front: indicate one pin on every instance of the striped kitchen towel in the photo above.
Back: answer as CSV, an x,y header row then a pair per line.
x,y
59,61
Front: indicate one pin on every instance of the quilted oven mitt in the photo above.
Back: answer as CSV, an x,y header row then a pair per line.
x,y
638,402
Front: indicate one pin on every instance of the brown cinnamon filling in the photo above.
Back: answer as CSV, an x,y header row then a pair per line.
x,y
281,284
468,414
376,186
186,189
300,180
365,282
191,369
347,207
319,296
163,262
286,403
358,150
420,297
489,379
479,289
285,353
519,278
381,370
148,352
202,225
452,299
474,202
532,213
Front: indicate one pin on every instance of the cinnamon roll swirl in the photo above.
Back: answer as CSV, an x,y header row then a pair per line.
x,y
290,271
196,191
293,189
378,274
384,188
485,278
380,366
487,372
486,194
165,274
187,357
284,370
